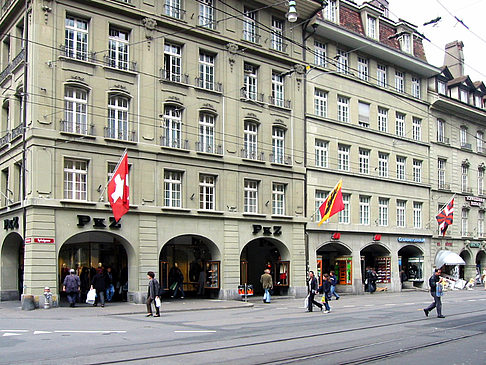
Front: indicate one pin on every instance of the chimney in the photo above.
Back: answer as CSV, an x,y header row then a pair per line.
x,y
454,58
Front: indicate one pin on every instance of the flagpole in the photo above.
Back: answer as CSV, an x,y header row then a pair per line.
x,y
441,209
116,167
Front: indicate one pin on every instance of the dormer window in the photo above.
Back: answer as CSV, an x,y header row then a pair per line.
x,y
406,43
330,11
372,28
478,101
463,95
441,87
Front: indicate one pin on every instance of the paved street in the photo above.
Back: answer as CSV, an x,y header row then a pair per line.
x,y
381,328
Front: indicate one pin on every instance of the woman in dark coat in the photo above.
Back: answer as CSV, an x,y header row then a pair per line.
x,y
99,284
152,294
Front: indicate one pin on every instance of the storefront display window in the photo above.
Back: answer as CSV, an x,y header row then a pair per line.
x,y
383,269
344,270
414,268
212,274
281,273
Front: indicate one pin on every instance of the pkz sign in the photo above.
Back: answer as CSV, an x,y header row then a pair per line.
x,y
11,223
267,231
97,222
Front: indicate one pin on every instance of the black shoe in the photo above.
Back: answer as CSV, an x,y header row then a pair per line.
x,y
148,315
157,315
441,316
338,298
426,312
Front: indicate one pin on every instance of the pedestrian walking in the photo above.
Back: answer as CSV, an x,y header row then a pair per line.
x,y
267,284
333,281
403,277
153,294
312,287
201,282
110,287
99,284
326,292
177,280
71,286
436,292
483,276
371,278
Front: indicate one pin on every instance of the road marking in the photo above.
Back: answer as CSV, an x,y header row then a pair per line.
x,y
6,334
409,303
195,331
390,304
369,305
41,332
349,306
90,331
14,330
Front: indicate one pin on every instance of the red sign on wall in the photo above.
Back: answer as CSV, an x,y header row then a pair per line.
x,y
39,240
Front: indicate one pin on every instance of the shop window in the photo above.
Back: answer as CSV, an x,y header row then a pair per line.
x,y
212,275
415,269
344,270
383,269
281,273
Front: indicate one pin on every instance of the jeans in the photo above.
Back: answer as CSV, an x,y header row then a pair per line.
x,y
110,292
266,296
326,301
436,304
333,292
179,286
71,297
100,297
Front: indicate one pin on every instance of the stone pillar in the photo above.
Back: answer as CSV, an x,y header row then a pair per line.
x,y
358,287
148,255
297,261
230,261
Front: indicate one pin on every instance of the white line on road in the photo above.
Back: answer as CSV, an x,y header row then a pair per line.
x,y
349,306
409,303
369,305
41,332
471,300
6,334
196,331
390,304
90,331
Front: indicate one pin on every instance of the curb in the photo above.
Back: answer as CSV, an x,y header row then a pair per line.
x,y
248,305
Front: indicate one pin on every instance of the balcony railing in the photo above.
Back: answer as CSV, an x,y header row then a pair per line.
x,y
12,65
247,95
17,131
251,36
167,75
182,144
121,135
444,186
280,159
78,55
278,45
208,85
252,155
209,148
466,146
77,128
467,190
444,140
4,140
120,64
207,22
281,103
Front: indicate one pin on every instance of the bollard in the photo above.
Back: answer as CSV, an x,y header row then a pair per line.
x,y
47,297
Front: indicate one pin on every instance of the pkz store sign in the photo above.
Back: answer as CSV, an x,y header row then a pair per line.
x,y
411,240
267,231
475,201
11,223
97,222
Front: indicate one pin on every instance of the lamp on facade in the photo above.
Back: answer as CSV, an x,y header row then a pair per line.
x,y
292,14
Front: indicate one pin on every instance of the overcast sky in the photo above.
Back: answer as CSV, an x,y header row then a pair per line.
x,y
471,12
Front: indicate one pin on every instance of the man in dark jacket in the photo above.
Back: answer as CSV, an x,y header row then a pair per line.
x,y
312,287
152,294
333,281
71,286
433,280
99,283
177,280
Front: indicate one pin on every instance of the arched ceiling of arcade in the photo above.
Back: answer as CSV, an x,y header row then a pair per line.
x,y
268,242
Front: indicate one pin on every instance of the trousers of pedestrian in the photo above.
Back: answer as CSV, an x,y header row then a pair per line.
x,y
149,306
333,291
178,287
266,296
325,301
72,297
436,304
100,297
110,292
312,302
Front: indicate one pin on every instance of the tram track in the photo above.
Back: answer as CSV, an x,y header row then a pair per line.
x,y
317,354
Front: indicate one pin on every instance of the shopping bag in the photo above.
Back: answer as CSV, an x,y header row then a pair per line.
x,y
173,286
306,302
158,303
91,297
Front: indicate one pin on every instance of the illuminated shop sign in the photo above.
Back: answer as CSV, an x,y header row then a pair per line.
x,y
411,240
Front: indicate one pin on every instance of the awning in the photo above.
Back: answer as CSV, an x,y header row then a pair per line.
x,y
445,257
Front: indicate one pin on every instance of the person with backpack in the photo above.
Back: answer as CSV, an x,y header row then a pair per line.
x,y
152,294
333,281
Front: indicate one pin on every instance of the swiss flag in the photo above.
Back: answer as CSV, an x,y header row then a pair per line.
x,y
118,189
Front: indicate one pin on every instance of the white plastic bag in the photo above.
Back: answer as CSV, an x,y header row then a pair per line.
x,y
158,303
306,302
91,297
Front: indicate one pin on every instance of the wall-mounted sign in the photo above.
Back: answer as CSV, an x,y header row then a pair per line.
x,y
39,240
411,239
448,244
11,223
267,231
475,201
97,222
474,244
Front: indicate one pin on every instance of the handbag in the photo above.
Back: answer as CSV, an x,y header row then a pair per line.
x,y
91,296
173,285
158,303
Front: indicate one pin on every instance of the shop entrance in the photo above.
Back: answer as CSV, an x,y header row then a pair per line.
x,y
377,257
261,254
480,262
465,271
91,251
12,266
199,261
334,256
411,261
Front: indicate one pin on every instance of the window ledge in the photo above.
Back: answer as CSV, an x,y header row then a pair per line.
x,y
254,215
175,149
207,211
77,202
77,134
212,154
14,204
253,160
119,140
76,60
114,69
208,90
176,210
132,206
274,216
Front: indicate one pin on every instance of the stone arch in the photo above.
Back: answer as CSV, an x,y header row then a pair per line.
x,y
12,264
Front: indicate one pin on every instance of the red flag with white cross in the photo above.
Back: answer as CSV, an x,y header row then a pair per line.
x,y
118,193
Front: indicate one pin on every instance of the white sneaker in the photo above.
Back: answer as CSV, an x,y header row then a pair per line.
x,y
326,311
